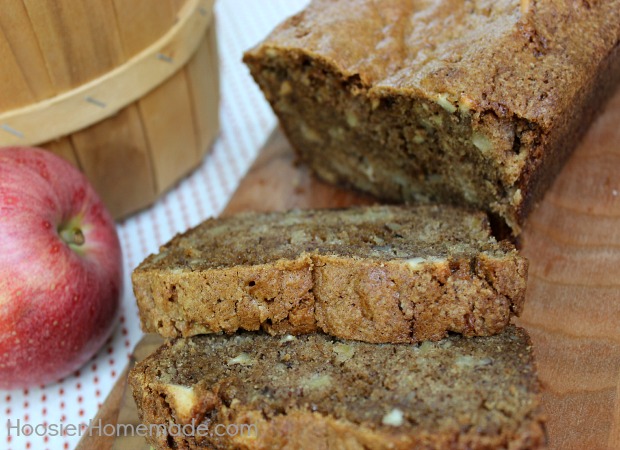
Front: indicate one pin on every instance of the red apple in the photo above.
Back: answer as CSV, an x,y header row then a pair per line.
x,y
60,269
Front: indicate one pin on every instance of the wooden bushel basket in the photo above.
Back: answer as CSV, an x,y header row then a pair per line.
x,y
128,91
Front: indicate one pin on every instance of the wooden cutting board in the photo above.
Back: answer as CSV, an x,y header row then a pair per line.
x,y
573,307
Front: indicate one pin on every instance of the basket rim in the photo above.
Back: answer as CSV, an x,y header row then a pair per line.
x,y
104,96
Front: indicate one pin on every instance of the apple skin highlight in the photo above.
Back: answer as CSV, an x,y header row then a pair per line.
x,y
60,269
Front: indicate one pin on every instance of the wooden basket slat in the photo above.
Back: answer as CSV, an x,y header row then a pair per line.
x,y
203,79
212,96
141,151
110,150
167,119
18,34
63,147
72,46
24,75
105,95
177,4
15,90
142,22
117,146
74,54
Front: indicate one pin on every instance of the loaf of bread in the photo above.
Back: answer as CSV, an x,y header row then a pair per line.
x,y
476,102
376,274
254,391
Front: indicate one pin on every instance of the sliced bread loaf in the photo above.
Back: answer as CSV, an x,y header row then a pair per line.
x,y
375,274
469,102
255,391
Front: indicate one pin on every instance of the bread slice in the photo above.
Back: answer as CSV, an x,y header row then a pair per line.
x,y
473,102
375,274
319,392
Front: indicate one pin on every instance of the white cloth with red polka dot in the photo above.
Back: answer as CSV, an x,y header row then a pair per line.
x,y
246,121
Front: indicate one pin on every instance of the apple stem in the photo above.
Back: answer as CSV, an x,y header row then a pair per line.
x,y
72,236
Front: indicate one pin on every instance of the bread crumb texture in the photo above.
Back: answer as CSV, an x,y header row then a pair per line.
x,y
441,101
460,393
375,274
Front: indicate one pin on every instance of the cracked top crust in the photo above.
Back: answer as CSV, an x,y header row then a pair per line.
x,y
487,54
379,233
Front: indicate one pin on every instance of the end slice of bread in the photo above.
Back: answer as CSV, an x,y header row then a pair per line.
x,y
380,274
256,391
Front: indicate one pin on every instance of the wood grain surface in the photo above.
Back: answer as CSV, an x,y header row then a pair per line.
x,y
573,300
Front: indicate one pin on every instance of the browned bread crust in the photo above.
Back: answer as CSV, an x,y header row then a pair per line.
x,y
318,392
476,102
374,274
